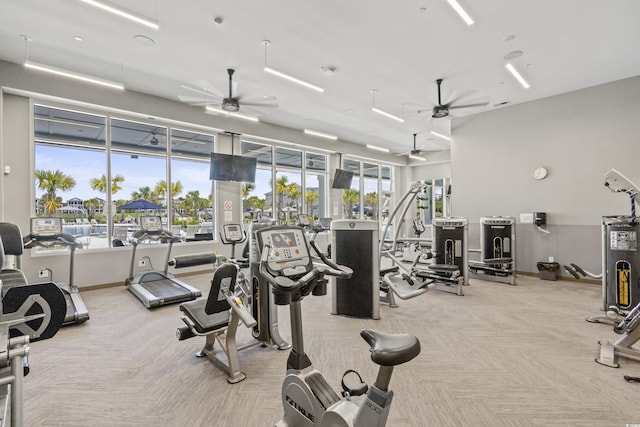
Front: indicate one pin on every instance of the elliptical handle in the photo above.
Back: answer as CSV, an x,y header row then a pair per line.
x,y
341,271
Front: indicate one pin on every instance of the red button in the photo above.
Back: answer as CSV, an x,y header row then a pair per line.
x,y
297,251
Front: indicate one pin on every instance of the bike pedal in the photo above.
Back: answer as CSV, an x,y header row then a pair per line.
x,y
356,389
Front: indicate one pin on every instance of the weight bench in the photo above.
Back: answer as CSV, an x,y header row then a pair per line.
x,y
216,316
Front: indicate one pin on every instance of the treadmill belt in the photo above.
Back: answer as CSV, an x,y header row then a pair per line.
x,y
164,288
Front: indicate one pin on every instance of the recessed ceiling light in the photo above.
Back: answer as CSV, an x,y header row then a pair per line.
x,y
144,40
78,38
513,55
328,70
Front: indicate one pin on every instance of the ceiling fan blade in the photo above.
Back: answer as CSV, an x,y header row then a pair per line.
x,y
481,104
205,89
259,104
193,100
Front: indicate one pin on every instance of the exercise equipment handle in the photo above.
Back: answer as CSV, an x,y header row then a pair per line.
x,y
341,271
238,307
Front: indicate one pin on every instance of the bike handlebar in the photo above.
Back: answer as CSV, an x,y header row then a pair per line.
x,y
286,284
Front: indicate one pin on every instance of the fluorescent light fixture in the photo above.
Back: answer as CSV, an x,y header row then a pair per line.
x,y
293,79
413,156
229,113
122,13
320,134
375,147
517,75
460,11
73,75
439,135
384,113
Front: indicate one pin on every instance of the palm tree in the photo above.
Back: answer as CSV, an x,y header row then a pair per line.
x,y
51,182
145,193
310,198
193,201
247,188
294,192
161,188
100,184
282,184
372,199
350,197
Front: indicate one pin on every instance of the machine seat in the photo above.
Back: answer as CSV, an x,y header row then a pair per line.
x,y
498,260
204,323
443,268
9,277
391,349
213,313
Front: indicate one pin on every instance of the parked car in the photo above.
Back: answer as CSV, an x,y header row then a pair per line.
x,y
367,210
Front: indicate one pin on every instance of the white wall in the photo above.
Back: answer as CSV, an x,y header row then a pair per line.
x,y
578,136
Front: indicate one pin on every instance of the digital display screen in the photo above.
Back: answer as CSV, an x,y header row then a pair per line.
x,y
46,226
150,223
226,167
284,240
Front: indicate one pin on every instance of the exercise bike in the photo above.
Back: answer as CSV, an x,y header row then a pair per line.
x,y
307,398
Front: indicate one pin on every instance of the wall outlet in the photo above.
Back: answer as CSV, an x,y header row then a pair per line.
x,y
44,273
142,263
551,259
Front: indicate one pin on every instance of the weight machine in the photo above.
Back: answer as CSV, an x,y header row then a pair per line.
x,y
497,250
448,248
620,255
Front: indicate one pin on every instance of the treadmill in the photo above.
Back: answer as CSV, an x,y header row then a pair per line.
x,y
153,287
47,233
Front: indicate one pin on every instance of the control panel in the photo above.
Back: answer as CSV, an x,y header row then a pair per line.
x,y
150,223
303,220
46,227
232,232
289,255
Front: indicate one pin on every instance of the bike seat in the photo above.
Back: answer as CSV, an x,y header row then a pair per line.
x,y
391,349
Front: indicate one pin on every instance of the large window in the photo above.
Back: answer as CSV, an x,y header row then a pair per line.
x,y
370,195
288,182
90,168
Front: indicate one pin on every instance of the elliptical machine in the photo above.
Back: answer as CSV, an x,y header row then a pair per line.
x,y
307,398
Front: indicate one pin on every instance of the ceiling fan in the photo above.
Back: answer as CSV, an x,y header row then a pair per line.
x,y
229,103
442,110
415,151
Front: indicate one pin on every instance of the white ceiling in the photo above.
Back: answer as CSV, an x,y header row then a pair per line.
x,y
397,47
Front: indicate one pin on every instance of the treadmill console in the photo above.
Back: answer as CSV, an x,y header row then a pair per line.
x,y
289,255
46,227
150,224
232,232
303,220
